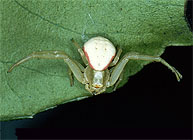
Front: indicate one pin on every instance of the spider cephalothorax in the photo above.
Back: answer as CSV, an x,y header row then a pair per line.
x,y
98,54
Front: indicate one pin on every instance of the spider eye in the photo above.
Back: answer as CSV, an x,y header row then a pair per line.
x,y
97,85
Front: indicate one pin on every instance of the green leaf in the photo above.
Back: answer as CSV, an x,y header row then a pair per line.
x,y
141,26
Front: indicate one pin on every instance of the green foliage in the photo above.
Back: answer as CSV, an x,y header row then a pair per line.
x,y
142,26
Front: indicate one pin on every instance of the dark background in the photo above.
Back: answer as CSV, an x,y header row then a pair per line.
x,y
151,105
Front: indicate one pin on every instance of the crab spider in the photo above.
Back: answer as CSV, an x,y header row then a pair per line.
x,y
98,54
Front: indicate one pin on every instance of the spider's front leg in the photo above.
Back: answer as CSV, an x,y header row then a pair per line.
x,y
73,65
135,56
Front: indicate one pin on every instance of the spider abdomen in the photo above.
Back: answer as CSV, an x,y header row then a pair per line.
x,y
99,52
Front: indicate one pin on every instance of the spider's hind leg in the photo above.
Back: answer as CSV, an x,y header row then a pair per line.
x,y
84,59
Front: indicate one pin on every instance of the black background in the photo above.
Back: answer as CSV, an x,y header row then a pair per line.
x,y
151,105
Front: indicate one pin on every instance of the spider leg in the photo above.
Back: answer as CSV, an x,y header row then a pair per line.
x,y
70,77
80,51
135,56
72,64
116,59
118,81
71,74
